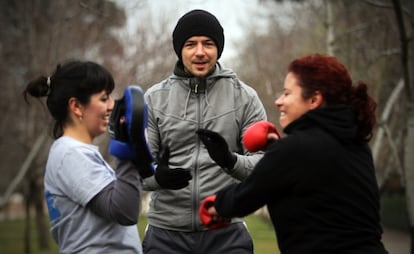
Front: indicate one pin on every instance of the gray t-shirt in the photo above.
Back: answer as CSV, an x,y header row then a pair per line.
x,y
75,173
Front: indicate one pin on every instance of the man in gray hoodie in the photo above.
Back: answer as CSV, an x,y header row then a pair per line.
x,y
192,163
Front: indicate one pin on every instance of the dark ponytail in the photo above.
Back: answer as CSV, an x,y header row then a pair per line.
x,y
77,79
37,88
364,107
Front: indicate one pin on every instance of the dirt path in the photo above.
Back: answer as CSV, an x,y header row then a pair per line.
x,y
395,241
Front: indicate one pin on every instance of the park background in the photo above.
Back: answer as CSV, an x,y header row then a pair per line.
x,y
132,38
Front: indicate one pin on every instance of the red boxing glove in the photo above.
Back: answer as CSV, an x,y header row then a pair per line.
x,y
255,136
205,216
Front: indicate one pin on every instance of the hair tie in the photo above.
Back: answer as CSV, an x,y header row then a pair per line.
x,y
48,81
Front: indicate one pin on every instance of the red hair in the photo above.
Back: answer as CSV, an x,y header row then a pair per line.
x,y
331,78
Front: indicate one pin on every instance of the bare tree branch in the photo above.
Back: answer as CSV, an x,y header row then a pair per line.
x,y
22,172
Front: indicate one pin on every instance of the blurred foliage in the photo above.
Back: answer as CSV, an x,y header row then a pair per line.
x,y
11,236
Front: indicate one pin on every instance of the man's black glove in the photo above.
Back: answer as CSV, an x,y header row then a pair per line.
x,y
167,178
217,148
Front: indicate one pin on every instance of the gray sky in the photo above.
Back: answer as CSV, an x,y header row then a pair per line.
x,y
236,16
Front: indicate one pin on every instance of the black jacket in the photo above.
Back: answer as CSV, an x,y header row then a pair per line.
x,y
319,186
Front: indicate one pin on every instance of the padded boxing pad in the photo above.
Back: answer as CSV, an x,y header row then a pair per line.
x,y
128,139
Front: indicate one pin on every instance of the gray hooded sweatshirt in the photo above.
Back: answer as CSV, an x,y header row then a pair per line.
x,y
177,107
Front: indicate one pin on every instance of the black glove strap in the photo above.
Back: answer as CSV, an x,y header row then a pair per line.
x,y
118,130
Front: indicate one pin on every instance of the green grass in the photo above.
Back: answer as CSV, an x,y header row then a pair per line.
x,y
12,236
263,235
394,211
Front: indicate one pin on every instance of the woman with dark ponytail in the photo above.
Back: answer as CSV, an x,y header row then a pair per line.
x,y
92,208
318,181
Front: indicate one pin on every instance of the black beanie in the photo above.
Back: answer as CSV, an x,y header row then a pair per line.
x,y
198,23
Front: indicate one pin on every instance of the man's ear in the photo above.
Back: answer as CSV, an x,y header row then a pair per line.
x,y
75,107
316,100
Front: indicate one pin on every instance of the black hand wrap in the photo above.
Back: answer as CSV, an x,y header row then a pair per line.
x,y
217,148
167,178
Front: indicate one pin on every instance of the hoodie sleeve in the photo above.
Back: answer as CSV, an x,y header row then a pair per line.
x,y
254,111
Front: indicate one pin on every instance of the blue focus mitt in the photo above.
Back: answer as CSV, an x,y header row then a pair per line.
x,y
127,126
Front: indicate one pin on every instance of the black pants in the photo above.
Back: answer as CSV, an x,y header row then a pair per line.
x,y
234,239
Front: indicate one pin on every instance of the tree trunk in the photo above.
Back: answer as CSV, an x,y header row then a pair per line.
x,y
27,244
409,170
42,229
406,62
330,30
378,141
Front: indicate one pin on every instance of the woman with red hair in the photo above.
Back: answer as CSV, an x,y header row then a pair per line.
x,y
318,181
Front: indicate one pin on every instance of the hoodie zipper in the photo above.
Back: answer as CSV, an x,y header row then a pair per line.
x,y
196,88
196,187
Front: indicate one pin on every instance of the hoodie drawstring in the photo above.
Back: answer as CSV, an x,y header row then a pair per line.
x,y
187,100
206,96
